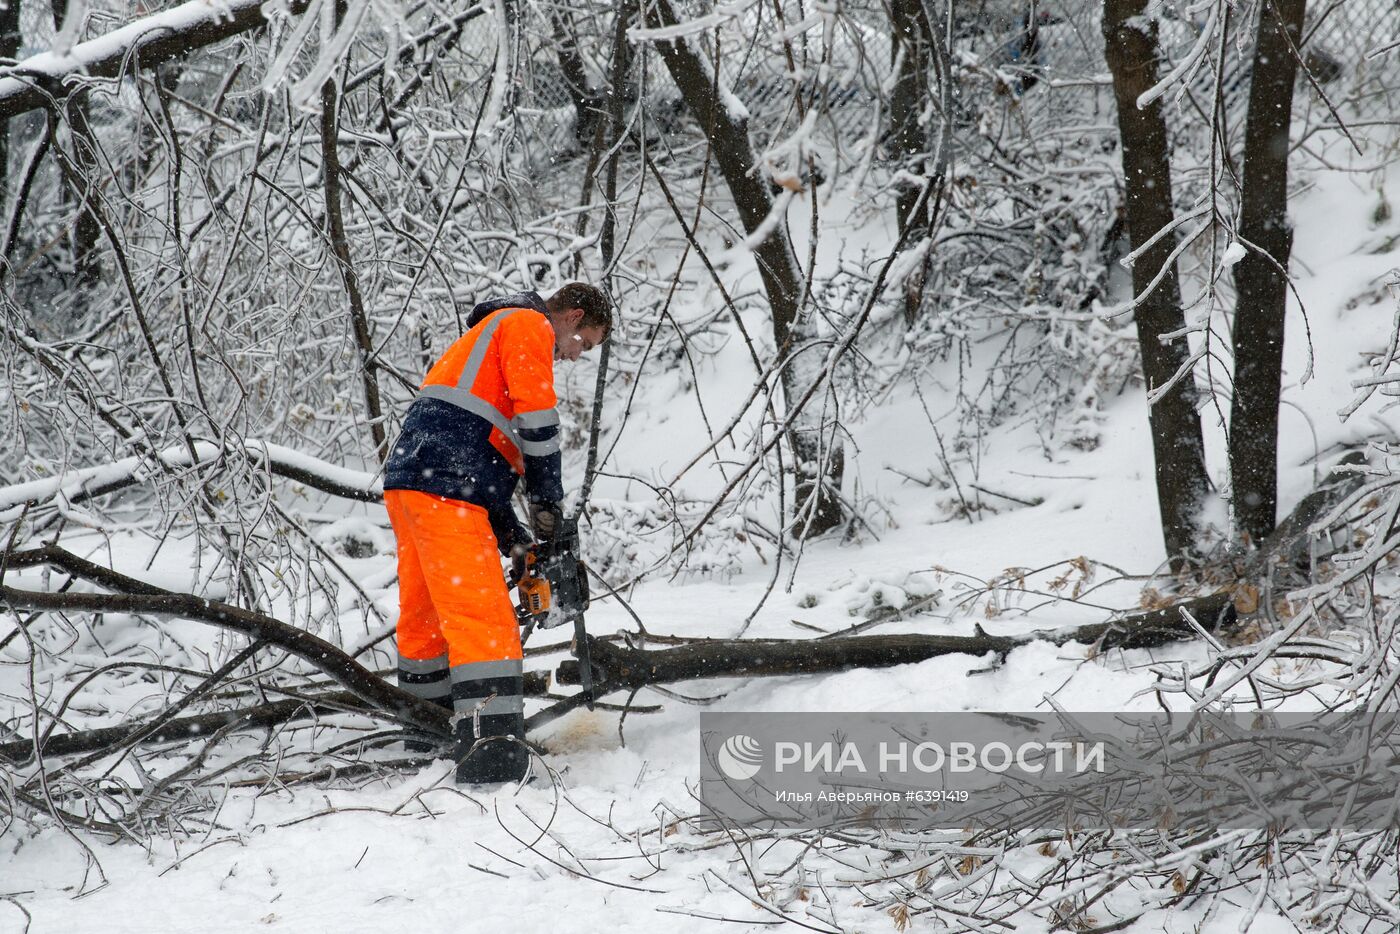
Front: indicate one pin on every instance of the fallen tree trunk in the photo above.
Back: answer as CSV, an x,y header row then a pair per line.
x,y
623,668
1288,544
187,728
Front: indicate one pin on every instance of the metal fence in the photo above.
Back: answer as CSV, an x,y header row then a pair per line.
x,y
1044,49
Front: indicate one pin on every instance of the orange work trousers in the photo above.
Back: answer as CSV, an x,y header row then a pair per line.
x,y
459,642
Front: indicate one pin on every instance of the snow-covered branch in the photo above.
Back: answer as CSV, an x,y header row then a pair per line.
x,y
145,43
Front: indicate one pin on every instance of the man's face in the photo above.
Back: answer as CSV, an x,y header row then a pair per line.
x,y
570,340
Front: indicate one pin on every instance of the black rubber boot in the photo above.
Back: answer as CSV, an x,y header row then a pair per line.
x,y
424,742
502,757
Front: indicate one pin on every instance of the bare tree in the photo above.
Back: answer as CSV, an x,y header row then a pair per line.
x,y
340,244
9,48
1130,39
726,125
1261,277
588,103
918,51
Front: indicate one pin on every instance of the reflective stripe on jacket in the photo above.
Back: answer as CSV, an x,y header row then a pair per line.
x,y
485,416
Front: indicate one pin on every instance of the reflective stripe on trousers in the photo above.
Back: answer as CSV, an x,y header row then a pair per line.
x,y
488,689
428,678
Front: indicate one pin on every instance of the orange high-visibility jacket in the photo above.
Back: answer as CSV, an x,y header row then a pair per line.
x,y
485,416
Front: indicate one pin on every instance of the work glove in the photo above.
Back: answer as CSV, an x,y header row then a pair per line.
x,y
517,563
544,521
508,531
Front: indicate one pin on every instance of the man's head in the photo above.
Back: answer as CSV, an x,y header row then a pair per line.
x,y
581,317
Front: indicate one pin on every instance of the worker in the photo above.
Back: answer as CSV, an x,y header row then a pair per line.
x,y
485,416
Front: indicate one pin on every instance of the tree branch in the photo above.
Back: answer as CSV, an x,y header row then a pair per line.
x,y
158,38
140,597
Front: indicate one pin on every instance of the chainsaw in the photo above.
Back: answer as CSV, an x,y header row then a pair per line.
x,y
553,591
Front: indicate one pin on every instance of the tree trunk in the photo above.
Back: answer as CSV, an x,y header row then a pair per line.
x,y
817,490
616,104
624,668
588,103
909,138
340,245
82,239
1179,454
199,726
9,49
86,232
1261,278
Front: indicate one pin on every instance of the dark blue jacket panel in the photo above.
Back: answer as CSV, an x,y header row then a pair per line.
x,y
446,451
544,480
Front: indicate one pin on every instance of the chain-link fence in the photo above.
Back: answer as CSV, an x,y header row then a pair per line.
x,y
780,65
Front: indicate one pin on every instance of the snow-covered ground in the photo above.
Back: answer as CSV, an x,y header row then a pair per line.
x,y
597,848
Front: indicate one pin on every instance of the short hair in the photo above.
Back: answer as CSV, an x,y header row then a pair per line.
x,y
597,311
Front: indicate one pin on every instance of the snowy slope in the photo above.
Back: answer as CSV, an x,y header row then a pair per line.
x,y
590,847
